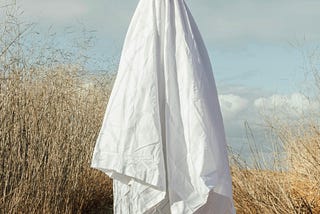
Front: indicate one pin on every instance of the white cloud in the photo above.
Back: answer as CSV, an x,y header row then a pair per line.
x,y
237,110
292,105
231,105
243,105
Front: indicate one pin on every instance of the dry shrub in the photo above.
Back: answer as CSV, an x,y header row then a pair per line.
x,y
49,120
291,184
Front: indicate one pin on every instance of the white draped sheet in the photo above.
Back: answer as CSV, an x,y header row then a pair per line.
x,y
162,139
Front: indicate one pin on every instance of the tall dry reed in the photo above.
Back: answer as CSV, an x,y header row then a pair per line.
x,y
291,184
294,188
49,119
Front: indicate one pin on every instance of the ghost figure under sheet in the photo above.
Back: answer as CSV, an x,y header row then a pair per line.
x,y
162,139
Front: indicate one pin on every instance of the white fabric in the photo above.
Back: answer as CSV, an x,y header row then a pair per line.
x,y
162,138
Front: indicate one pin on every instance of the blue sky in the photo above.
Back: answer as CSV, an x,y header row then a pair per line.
x,y
248,40
255,46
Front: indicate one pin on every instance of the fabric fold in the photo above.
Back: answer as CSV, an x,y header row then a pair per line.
x,y
162,138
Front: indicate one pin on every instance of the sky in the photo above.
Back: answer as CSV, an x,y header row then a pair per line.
x,y
256,48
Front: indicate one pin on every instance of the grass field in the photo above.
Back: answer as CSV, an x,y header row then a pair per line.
x,y
50,114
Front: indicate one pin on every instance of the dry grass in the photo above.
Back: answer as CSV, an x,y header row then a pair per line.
x,y
48,128
49,120
289,185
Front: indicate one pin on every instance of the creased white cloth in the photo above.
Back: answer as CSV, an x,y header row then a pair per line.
x,y
162,139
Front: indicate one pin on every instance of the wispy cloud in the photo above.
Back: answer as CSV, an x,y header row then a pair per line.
x,y
219,21
56,11
244,105
232,105
249,20
293,105
226,22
